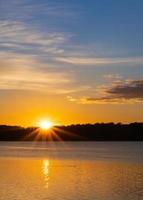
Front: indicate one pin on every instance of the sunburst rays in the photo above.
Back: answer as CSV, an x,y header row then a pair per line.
x,y
54,133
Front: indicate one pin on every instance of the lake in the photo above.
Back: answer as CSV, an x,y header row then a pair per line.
x,y
71,171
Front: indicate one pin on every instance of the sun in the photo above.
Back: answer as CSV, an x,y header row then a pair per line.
x,y
45,124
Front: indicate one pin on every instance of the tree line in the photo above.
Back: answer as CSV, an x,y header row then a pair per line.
x,y
78,132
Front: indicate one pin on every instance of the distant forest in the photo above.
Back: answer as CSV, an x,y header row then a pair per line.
x,y
81,132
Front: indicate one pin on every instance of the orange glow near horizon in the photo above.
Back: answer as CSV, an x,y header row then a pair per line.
x,y
21,114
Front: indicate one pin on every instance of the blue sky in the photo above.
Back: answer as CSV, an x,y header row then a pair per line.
x,y
86,52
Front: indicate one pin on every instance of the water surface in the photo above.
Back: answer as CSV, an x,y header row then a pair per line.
x,y
71,170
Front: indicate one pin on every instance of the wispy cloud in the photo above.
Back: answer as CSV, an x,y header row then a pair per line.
x,y
26,73
20,37
51,46
100,61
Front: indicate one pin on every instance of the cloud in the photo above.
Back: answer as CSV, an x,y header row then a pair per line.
x,y
127,92
99,61
26,73
29,27
20,37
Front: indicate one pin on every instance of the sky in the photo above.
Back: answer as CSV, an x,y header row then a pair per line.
x,y
71,61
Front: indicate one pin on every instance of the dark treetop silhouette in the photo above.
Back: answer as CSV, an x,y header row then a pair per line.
x,y
79,132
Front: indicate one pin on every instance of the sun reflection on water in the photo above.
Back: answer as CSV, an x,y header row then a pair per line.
x,y
45,170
